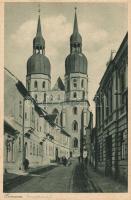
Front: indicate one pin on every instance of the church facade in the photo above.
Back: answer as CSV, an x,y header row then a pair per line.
x,y
68,99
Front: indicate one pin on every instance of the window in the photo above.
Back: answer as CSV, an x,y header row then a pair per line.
x,y
75,126
68,85
33,149
82,83
35,84
122,86
51,98
30,148
37,151
55,111
19,144
35,97
20,109
44,97
75,95
75,143
37,125
33,117
28,86
25,115
10,149
75,83
123,149
75,110
43,84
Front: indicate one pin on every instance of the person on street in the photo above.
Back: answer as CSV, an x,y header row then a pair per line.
x,y
26,164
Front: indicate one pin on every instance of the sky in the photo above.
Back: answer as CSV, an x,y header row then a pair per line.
x,y
101,25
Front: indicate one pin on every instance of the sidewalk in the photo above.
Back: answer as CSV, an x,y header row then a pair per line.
x,y
10,178
103,183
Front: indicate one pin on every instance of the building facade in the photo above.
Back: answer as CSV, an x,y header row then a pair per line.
x,y
112,116
68,99
29,132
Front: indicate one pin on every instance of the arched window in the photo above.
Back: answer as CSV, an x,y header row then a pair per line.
x,y
82,83
75,110
75,126
35,84
75,143
43,84
75,95
74,83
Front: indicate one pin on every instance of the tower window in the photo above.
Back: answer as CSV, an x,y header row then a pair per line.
x,y
75,110
75,83
43,84
82,83
35,84
75,95
75,126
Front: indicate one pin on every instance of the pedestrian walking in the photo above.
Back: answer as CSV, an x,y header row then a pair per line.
x,y
26,164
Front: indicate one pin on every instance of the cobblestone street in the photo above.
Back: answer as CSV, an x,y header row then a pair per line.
x,y
73,178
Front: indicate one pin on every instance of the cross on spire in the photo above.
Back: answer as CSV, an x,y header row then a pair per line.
x,y
39,9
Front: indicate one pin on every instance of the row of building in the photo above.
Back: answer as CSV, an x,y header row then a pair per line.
x,y
29,131
109,138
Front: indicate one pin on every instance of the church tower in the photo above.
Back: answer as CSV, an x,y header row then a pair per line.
x,y
76,92
76,79
38,79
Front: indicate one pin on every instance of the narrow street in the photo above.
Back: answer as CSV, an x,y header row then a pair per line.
x,y
58,179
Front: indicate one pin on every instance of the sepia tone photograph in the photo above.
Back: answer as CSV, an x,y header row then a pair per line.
x,y
65,97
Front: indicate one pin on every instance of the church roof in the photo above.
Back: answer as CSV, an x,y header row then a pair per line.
x,y
59,85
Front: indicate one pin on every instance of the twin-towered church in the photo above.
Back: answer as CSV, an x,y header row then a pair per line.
x,y
67,100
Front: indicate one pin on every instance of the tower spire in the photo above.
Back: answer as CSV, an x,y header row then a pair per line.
x,y
75,39
39,33
39,42
75,30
